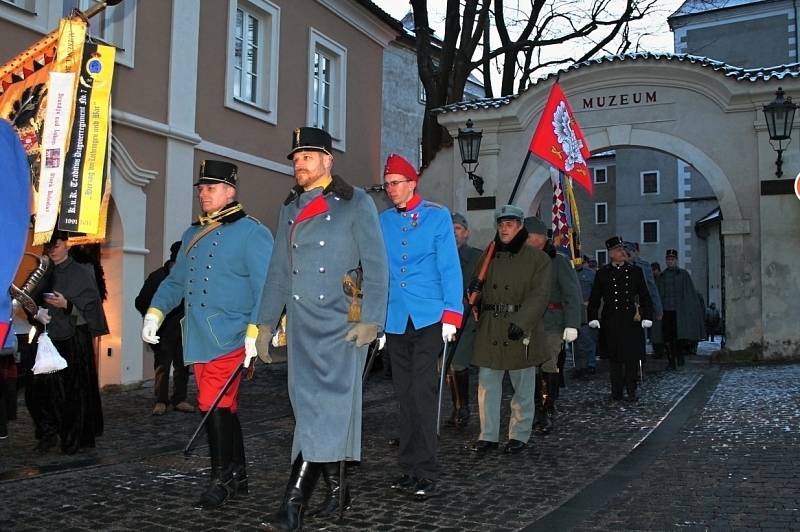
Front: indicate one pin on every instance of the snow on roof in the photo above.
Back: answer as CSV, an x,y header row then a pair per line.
x,y
739,74
694,7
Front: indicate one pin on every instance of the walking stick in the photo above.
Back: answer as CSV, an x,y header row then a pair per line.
x,y
441,388
188,448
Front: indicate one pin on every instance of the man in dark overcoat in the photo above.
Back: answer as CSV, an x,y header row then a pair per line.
x,y
627,311
512,307
327,228
168,352
682,324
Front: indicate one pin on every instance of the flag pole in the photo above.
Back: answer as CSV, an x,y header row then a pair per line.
x,y
100,6
575,243
519,177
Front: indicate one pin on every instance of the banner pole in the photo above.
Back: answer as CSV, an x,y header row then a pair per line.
x,y
519,178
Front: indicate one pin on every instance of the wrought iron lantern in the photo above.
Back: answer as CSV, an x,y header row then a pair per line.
x,y
469,143
779,115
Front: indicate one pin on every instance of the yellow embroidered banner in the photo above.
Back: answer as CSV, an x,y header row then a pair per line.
x,y
84,182
24,95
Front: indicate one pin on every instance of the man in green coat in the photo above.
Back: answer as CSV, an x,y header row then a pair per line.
x,y
512,306
458,378
561,322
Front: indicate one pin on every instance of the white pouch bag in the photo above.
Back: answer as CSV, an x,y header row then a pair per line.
x,y
48,360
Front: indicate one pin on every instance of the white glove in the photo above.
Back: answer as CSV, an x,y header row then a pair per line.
x,y
646,324
594,324
43,316
149,328
381,342
570,334
448,332
250,351
274,340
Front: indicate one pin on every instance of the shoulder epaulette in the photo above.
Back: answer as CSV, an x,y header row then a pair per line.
x,y
429,203
256,220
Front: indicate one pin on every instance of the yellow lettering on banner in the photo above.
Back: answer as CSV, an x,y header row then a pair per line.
x,y
94,166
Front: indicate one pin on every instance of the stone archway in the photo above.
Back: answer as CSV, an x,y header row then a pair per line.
x,y
701,111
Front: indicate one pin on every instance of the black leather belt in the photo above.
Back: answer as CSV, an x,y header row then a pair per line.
x,y
501,307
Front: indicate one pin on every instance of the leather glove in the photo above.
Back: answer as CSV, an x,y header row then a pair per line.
x,y
43,316
594,324
476,285
362,333
646,324
150,328
515,332
381,342
448,332
250,350
570,334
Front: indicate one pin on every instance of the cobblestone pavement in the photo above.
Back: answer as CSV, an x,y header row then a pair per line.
x,y
735,466
138,479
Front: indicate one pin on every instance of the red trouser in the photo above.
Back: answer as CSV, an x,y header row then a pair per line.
x,y
212,376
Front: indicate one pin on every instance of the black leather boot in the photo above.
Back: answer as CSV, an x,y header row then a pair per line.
x,y
298,492
553,383
330,506
670,348
461,378
220,442
239,461
538,401
543,422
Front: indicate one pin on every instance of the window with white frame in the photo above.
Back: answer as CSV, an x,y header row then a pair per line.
x,y
115,25
27,5
651,231
251,76
601,213
422,96
327,87
600,174
650,182
601,256
37,15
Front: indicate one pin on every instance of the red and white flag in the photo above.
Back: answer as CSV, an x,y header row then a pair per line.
x,y
558,139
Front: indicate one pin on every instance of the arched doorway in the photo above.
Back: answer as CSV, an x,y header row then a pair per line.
x,y
704,113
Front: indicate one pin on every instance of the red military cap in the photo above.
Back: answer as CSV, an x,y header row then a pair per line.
x,y
396,164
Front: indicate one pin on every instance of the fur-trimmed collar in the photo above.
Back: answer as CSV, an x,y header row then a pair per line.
x,y
230,213
337,186
512,247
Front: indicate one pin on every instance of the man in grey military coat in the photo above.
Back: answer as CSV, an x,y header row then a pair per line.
x,y
326,229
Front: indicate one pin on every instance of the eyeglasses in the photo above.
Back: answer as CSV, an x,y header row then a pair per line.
x,y
392,184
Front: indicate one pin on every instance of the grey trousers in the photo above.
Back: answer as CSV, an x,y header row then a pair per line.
x,y
490,393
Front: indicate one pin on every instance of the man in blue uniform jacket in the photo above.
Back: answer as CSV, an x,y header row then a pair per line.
x,y
219,273
425,308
